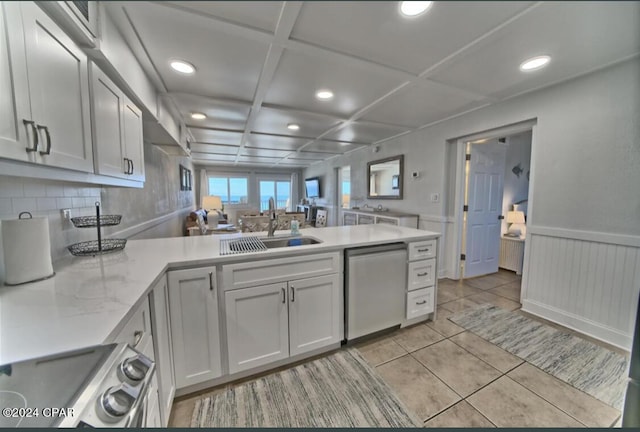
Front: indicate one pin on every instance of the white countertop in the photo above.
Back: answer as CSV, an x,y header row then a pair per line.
x,y
90,298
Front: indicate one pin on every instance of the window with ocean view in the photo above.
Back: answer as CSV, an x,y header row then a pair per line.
x,y
279,190
232,190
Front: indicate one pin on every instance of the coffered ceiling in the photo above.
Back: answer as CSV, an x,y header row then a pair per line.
x,y
259,65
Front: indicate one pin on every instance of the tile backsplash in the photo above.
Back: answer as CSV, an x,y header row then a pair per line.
x,y
46,198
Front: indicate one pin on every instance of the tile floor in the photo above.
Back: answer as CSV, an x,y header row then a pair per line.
x,y
451,378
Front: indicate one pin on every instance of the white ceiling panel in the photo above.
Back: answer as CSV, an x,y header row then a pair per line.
x,y
226,66
212,157
212,136
250,151
310,155
578,36
253,159
275,121
364,132
331,146
417,105
220,114
213,148
258,14
299,75
376,31
290,163
275,142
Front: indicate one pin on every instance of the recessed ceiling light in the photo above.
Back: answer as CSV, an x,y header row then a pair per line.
x,y
182,67
293,126
324,94
198,116
535,63
414,8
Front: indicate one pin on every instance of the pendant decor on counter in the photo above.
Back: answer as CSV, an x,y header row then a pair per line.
x,y
27,249
100,246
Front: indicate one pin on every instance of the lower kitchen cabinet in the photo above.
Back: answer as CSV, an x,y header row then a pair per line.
x,y
272,322
163,349
195,336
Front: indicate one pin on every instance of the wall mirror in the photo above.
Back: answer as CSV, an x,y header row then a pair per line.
x,y
385,178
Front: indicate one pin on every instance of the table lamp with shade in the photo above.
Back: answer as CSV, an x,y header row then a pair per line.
x,y
517,227
213,205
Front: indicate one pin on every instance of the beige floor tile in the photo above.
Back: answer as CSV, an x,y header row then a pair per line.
x,y
501,302
459,305
419,389
461,415
510,291
416,337
508,275
458,368
486,351
453,292
181,413
581,406
442,325
485,282
379,351
508,404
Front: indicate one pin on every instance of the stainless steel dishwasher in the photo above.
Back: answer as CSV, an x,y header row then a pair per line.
x,y
376,281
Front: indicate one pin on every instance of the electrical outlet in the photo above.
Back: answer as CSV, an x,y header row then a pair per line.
x,y
66,214
435,197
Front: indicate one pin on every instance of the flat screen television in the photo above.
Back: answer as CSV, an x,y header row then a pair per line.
x,y
312,186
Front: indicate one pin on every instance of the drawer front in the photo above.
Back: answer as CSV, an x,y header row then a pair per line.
x,y
243,275
422,250
388,221
137,331
419,302
366,219
421,274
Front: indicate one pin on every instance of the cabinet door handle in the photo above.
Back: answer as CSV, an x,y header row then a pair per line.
x,y
293,294
34,132
422,274
137,337
421,302
423,250
210,281
131,162
46,132
284,296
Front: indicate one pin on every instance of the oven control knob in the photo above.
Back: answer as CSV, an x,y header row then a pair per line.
x,y
134,369
117,401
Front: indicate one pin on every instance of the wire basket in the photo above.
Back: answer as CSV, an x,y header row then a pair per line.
x,y
92,221
95,247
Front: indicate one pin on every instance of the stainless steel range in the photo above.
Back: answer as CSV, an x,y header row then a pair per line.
x,y
101,386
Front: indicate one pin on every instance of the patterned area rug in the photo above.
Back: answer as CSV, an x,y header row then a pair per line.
x,y
340,390
586,366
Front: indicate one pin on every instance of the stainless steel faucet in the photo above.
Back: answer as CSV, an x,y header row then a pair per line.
x,y
272,217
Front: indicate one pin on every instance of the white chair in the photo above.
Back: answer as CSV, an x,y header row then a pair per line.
x,y
321,218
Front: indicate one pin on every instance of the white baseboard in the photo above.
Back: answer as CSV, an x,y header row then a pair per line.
x,y
580,324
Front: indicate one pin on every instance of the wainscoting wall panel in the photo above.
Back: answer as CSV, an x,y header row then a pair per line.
x,y
586,281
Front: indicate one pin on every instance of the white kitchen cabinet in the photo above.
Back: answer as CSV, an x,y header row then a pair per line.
x,y
117,130
422,280
59,92
272,322
161,330
362,217
315,313
257,326
15,138
195,337
152,418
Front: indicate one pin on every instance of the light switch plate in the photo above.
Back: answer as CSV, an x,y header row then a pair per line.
x,y
435,197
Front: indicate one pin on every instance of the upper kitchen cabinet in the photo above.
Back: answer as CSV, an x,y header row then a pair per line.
x,y
117,131
58,92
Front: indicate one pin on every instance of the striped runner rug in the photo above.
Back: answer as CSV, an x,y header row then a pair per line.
x,y
340,390
586,366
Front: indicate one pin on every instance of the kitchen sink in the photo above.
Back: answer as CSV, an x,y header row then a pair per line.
x,y
278,242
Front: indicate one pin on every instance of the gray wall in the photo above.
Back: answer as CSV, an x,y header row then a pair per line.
x,y
586,152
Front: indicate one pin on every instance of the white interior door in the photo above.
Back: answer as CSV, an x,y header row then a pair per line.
x,y
485,188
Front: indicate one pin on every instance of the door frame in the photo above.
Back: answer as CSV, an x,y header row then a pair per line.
x,y
458,199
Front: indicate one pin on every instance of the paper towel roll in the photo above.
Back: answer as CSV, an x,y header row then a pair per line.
x,y
27,249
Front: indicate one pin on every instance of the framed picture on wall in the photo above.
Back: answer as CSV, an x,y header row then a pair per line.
x,y
183,178
395,181
188,179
